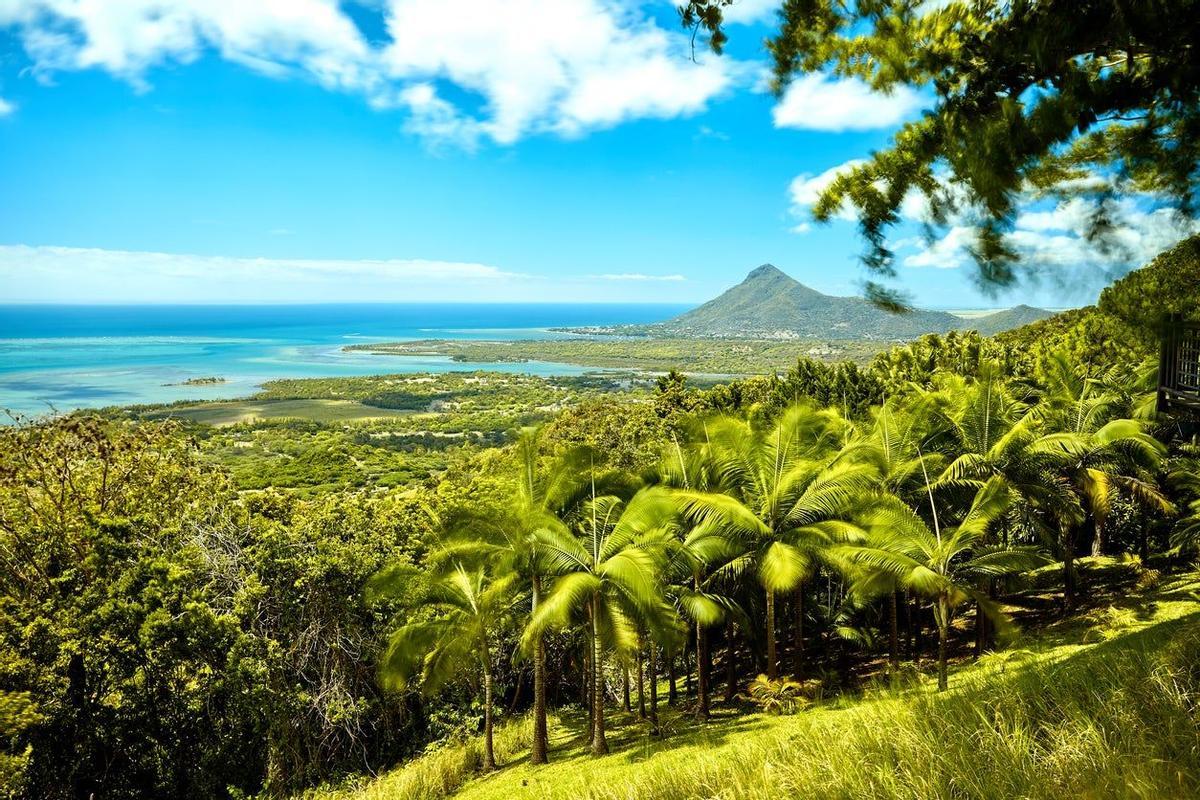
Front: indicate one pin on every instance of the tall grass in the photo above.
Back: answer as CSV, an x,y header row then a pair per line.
x,y
1116,719
1119,720
438,772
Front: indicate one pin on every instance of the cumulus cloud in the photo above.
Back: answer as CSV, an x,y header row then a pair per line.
x,y
566,67
750,12
805,189
6,107
1055,241
1051,238
824,103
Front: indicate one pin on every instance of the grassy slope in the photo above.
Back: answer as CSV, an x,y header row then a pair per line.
x,y
1103,705
232,412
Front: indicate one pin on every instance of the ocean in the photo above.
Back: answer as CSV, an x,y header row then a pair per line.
x,y
60,358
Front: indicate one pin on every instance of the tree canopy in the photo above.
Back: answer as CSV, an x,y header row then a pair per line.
x,y
1026,99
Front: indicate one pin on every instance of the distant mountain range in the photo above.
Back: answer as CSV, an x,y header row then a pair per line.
x,y
770,304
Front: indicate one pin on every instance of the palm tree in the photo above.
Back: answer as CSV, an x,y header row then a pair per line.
x,y
607,572
896,446
544,492
695,562
1095,453
468,609
1185,477
943,563
780,490
988,433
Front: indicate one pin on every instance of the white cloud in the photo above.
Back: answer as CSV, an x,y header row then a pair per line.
x,y
1046,237
805,189
638,276
127,38
6,107
93,275
73,274
824,103
948,252
1050,240
565,67
437,120
749,12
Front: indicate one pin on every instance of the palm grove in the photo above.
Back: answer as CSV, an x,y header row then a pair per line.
x,y
166,633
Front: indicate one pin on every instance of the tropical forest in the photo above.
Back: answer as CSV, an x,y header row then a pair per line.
x,y
784,543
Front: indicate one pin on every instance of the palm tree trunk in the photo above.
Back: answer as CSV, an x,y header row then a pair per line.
x,y
1097,537
908,628
981,623
599,742
489,753
587,678
539,752
625,688
893,632
798,636
701,674
672,690
730,664
1067,544
641,681
653,688
772,661
943,631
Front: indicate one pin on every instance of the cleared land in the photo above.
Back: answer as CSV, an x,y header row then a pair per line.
x,y
232,412
700,356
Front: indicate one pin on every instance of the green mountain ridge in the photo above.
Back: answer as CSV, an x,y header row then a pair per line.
x,y
769,304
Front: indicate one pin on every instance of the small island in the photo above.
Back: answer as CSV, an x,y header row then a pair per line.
x,y
210,380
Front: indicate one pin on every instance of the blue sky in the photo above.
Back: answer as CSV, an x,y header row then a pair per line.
x,y
307,151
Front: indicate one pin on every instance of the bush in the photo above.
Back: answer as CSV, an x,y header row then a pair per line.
x,y
781,696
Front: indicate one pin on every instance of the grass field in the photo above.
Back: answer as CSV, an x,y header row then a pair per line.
x,y
235,411
695,356
1102,705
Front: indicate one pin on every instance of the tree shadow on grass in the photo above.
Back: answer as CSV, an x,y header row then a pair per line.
x,y
631,740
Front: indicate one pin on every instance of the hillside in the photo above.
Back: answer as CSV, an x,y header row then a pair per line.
x,y
1122,328
1099,705
1009,318
769,304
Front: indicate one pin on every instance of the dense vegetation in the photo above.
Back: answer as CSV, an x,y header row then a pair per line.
x,y
614,560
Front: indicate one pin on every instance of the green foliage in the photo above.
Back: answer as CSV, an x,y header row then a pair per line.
x,y
782,696
739,351
1050,720
183,609
1167,285
1086,97
18,714
178,640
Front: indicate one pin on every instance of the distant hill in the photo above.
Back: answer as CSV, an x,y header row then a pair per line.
x,y
769,304
1123,327
1006,320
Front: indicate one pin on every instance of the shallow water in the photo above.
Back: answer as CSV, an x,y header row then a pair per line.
x,y
67,357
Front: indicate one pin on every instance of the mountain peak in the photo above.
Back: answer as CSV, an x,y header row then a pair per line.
x,y
766,271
